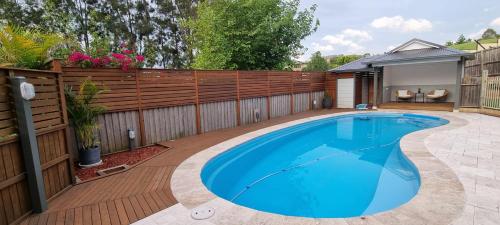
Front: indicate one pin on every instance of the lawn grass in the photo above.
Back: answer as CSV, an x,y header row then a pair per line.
x,y
473,45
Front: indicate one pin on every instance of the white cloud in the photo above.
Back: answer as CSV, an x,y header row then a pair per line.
x,y
401,24
322,48
361,35
495,22
477,35
349,38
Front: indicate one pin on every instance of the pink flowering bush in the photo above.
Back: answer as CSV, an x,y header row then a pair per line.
x,y
126,59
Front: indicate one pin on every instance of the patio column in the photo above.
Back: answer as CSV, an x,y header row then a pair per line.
x,y
375,88
458,84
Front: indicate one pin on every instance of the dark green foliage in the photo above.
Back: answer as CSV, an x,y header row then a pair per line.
x,y
489,33
317,63
153,26
249,34
461,39
343,59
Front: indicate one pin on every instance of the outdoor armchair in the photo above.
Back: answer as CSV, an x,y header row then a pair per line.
x,y
437,94
404,95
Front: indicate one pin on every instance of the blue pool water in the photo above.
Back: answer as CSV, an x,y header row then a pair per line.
x,y
342,166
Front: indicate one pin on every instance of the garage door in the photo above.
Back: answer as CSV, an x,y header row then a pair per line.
x,y
345,93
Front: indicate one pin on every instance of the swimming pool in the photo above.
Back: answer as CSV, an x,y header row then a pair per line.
x,y
342,166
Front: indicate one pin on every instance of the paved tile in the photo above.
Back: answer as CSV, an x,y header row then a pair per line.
x,y
471,153
475,158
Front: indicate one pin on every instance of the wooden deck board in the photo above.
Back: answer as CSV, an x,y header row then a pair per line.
x,y
438,106
129,210
79,216
141,191
113,214
122,213
103,209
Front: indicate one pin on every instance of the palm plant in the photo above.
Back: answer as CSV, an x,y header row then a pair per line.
x,y
83,112
27,48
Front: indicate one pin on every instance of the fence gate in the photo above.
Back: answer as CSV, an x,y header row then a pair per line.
x,y
471,83
50,121
486,61
491,96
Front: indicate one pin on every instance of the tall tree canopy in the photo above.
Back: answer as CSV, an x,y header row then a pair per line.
x,y
461,39
153,26
344,59
249,34
317,63
489,33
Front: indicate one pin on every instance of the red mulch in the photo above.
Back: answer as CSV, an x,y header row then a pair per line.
x,y
129,157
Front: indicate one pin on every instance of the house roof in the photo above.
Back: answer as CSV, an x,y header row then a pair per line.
x,y
359,65
414,50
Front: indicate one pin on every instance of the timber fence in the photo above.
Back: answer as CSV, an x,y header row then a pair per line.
x,y
161,105
50,125
480,81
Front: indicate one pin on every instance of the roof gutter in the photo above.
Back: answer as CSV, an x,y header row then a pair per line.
x,y
420,60
352,71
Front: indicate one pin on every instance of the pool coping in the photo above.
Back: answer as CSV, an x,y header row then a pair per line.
x,y
440,200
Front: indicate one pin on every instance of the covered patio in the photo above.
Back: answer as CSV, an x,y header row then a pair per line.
x,y
416,75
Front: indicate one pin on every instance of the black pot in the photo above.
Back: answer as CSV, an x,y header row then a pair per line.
x,y
90,156
327,102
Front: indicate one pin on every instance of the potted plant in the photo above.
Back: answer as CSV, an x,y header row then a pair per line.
x,y
327,101
83,113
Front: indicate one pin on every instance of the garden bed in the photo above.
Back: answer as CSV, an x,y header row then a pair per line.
x,y
128,158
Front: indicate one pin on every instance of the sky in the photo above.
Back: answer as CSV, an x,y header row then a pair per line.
x,y
376,26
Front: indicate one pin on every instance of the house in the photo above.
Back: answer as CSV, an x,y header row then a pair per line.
x,y
415,65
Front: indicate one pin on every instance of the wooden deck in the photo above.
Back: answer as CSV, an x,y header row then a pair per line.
x,y
442,106
141,191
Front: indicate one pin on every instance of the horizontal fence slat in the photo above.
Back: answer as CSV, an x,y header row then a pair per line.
x,y
50,124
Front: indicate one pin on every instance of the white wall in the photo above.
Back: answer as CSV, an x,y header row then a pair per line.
x,y
421,74
426,76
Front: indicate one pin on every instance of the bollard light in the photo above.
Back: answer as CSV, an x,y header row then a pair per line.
x,y
131,137
27,91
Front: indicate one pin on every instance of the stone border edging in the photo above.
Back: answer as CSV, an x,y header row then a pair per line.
x,y
440,200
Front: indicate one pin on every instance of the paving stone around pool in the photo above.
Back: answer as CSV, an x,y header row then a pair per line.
x,y
459,164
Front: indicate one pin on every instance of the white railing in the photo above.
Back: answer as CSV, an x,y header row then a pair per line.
x,y
491,97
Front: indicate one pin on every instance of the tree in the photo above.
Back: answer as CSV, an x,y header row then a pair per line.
x,y
24,14
317,63
449,43
344,59
153,26
461,39
489,33
249,34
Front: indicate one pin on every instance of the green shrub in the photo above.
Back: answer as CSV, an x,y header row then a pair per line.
x,y
83,112
27,48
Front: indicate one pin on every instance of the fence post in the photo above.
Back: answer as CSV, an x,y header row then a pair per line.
x,y
458,84
238,113
375,88
268,96
142,128
484,87
29,146
311,106
197,105
292,94
60,84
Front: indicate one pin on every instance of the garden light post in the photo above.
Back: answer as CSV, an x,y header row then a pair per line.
x,y
23,92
